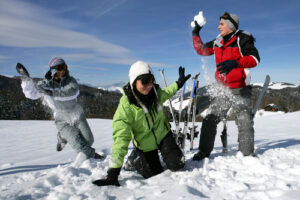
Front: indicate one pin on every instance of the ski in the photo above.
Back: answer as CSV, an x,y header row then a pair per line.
x,y
261,95
188,113
176,123
192,130
180,137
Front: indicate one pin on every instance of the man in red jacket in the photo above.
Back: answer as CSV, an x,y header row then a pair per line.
x,y
235,53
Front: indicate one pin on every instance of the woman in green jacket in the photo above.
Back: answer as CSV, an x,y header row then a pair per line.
x,y
140,117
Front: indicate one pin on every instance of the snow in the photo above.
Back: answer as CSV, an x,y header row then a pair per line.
x,y
30,167
200,20
277,85
112,89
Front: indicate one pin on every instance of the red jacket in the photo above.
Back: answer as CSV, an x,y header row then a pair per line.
x,y
239,47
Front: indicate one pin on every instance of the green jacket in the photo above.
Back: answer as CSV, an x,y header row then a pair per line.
x,y
146,129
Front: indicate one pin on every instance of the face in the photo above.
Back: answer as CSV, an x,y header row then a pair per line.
x,y
224,28
60,73
143,88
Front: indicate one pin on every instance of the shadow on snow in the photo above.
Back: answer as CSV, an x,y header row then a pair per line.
x,y
28,168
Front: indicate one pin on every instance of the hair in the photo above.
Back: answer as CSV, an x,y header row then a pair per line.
x,y
67,73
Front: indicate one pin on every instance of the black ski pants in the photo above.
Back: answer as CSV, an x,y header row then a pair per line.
x,y
148,163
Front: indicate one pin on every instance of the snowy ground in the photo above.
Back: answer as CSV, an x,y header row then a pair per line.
x,y
30,168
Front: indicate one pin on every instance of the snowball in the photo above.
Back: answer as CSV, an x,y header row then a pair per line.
x,y
200,20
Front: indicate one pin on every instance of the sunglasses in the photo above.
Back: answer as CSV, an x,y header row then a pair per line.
x,y
59,68
146,79
226,15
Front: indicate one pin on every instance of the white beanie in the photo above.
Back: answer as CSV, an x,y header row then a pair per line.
x,y
139,68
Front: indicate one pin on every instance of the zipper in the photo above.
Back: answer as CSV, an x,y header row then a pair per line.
x,y
151,129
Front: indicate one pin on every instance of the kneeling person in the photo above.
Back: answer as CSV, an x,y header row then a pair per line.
x,y
140,117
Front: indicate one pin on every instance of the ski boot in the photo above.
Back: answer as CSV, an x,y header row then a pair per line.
x,y
98,156
200,156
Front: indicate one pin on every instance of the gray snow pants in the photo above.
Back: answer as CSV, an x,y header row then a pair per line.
x,y
74,127
240,105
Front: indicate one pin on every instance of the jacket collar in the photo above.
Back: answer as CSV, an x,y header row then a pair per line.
x,y
220,40
133,97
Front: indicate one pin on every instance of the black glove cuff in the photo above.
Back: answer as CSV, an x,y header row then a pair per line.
x,y
196,32
179,84
48,75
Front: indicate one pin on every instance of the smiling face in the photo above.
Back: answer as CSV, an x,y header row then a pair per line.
x,y
224,28
60,73
143,88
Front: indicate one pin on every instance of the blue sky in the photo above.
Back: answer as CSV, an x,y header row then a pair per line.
x,y
100,39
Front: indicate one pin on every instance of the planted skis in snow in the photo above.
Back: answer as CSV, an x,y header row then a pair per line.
x,y
261,95
193,129
188,113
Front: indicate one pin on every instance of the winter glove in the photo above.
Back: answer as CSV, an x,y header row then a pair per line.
x,y
48,75
226,66
182,78
111,178
22,70
196,29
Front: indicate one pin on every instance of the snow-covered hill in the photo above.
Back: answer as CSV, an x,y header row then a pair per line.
x,y
277,85
30,168
112,89
116,87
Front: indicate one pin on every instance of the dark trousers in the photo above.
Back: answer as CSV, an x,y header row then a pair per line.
x,y
240,105
148,163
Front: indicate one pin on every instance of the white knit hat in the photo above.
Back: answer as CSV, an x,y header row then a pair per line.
x,y
139,68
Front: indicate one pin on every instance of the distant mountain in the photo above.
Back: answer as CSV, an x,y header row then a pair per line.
x,y
97,103
285,96
102,103
277,85
116,87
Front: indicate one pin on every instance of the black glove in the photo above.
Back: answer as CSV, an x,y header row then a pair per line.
x,y
48,75
226,66
182,78
22,70
196,29
111,178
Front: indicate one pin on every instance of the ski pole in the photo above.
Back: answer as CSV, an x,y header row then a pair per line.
x,y
194,110
224,136
170,103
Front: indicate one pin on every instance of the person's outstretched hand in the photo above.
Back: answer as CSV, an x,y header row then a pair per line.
x,y
48,75
182,78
